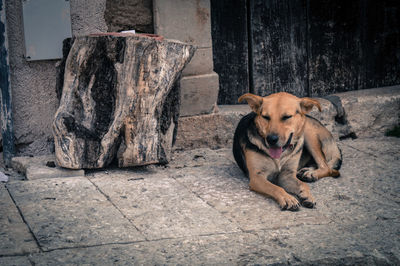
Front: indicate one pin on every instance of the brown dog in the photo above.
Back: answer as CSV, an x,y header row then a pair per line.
x,y
268,147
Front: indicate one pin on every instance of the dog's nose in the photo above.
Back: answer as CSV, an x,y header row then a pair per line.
x,y
272,139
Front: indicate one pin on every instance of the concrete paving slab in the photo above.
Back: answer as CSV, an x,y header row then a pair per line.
x,y
38,172
202,250
42,167
201,157
303,245
70,212
199,210
378,238
385,149
160,207
15,237
3,177
20,164
226,189
363,192
15,261
366,191
329,245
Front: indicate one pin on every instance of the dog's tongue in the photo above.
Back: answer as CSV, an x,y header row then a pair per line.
x,y
275,152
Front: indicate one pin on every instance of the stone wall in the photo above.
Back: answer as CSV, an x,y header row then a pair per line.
x,y
127,15
190,21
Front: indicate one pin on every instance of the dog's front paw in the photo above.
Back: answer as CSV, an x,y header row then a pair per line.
x,y
308,202
288,202
306,199
307,174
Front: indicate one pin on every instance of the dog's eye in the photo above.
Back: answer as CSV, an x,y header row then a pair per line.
x,y
286,117
266,117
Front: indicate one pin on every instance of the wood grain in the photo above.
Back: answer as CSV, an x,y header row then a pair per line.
x,y
114,101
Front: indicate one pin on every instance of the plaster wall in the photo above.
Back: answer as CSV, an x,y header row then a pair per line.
x,y
33,83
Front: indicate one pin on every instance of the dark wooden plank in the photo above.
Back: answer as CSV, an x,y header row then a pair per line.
x,y
279,51
6,96
335,46
382,43
230,49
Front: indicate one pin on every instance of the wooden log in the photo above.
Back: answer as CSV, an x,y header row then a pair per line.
x,y
120,97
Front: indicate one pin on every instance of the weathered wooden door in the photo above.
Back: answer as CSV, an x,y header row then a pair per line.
x,y
305,47
230,48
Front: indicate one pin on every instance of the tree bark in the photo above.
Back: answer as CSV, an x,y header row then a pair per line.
x,y
120,97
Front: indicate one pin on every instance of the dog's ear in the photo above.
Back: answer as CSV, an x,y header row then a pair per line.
x,y
254,101
307,105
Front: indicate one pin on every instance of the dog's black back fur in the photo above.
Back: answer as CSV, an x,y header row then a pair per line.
x,y
241,137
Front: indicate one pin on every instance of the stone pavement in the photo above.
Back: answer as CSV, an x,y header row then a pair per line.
x,y
199,210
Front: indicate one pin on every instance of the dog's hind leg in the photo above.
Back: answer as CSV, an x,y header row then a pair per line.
x,y
321,147
332,153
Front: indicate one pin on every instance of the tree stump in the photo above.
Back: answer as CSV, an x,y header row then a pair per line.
x,y
120,97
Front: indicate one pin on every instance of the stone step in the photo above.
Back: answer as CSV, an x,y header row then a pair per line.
x,y
39,167
362,113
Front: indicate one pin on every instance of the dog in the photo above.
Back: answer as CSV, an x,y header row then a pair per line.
x,y
278,146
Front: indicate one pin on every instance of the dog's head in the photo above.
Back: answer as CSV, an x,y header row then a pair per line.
x,y
280,118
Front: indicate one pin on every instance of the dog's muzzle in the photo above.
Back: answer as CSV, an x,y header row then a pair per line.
x,y
277,152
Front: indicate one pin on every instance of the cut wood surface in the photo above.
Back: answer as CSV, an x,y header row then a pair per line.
x,y
120,97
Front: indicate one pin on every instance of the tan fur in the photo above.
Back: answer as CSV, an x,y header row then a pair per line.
x,y
284,115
